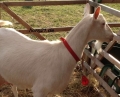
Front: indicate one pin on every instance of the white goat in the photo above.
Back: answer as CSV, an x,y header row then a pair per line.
x,y
46,66
4,23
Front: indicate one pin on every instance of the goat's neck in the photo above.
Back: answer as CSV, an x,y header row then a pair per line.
x,y
79,36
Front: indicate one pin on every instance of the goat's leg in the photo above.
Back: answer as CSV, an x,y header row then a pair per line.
x,y
14,90
2,81
39,92
50,95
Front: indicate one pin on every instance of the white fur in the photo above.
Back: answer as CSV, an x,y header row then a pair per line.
x,y
46,66
4,23
98,45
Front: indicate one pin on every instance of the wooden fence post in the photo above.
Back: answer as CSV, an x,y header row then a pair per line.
x,y
0,11
4,7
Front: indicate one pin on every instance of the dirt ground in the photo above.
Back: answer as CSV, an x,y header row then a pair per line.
x,y
74,89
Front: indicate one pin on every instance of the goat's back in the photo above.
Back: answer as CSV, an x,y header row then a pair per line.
x,y
25,61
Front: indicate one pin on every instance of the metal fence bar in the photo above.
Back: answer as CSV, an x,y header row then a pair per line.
x,y
103,83
106,8
45,3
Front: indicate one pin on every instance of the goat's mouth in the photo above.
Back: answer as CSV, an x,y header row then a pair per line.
x,y
109,39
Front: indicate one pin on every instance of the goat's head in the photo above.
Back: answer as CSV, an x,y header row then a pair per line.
x,y
100,30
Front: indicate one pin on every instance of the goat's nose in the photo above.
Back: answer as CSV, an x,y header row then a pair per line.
x,y
114,34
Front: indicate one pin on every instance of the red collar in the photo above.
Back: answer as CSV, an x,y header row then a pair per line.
x,y
70,49
84,79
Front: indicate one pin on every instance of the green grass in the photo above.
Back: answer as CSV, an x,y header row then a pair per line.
x,y
53,16
50,16
47,17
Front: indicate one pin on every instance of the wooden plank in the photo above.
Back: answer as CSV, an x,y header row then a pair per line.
x,y
117,38
106,8
15,16
58,29
99,57
99,64
45,30
0,13
102,82
45,3
109,46
110,1
114,24
4,7
111,58
100,93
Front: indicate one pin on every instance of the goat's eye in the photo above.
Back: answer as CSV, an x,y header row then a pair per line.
x,y
103,24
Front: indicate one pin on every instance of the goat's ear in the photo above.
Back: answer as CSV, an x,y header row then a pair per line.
x,y
87,9
97,12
